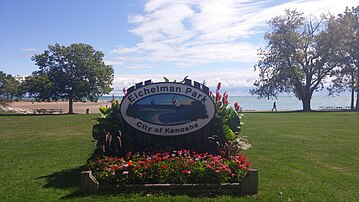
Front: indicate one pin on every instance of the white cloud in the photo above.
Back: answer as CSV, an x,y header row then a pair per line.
x,y
29,49
231,79
189,33
113,62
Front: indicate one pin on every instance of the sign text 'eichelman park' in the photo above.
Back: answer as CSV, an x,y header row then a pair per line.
x,y
167,108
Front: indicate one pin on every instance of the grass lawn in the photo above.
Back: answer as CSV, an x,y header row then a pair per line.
x,y
300,156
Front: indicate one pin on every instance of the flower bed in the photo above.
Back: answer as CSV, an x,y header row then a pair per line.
x,y
223,169
177,171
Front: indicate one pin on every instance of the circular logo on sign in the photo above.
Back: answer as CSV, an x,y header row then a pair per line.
x,y
167,109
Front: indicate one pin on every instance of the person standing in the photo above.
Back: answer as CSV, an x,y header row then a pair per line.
x,y
274,106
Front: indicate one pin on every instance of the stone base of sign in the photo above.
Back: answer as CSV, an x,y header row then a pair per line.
x,y
248,186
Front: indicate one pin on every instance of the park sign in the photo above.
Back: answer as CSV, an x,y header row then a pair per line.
x,y
168,108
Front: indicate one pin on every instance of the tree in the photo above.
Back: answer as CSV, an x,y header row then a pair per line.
x,y
73,73
347,77
300,55
2,83
10,87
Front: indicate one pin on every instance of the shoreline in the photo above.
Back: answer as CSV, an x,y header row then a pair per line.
x,y
28,107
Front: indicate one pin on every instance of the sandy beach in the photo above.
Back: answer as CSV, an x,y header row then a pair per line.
x,y
79,107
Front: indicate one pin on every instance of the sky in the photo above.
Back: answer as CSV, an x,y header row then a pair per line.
x,y
206,40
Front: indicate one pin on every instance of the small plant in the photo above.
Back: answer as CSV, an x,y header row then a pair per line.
x,y
225,126
111,133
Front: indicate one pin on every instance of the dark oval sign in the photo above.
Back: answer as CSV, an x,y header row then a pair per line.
x,y
167,109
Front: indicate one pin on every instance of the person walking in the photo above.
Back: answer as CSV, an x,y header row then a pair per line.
x,y
274,106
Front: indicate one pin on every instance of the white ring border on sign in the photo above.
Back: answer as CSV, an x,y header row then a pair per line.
x,y
172,130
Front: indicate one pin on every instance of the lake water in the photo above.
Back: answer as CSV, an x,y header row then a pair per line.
x,y
284,103
287,103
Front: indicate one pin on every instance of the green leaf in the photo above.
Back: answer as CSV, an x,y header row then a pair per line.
x,y
103,110
228,133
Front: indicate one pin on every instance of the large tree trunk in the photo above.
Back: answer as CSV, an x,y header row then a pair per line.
x,y
352,99
306,104
306,99
352,90
71,102
357,105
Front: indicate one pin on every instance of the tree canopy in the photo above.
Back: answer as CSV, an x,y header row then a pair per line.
x,y
347,76
10,87
300,54
73,73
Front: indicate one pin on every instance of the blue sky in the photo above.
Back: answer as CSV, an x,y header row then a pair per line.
x,y
211,40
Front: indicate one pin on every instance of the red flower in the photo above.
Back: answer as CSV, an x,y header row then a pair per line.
x,y
248,164
225,98
242,159
225,101
163,167
219,86
218,96
130,163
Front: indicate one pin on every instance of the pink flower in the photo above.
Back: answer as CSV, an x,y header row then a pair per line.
x,y
218,96
124,91
225,98
125,173
186,172
218,171
237,107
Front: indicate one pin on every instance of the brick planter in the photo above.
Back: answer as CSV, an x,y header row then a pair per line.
x,y
248,186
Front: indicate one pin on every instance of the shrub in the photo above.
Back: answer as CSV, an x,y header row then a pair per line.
x,y
226,125
109,133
